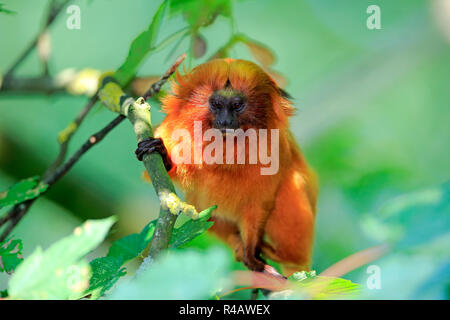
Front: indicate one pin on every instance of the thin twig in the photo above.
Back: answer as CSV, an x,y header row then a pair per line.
x,y
53,13
156,87
66,134
51,177
92,141
19,211
61,83
15,215
5,218
51,174
41,84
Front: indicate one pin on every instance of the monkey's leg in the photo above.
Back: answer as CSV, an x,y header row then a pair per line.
x,y
228,232
151,145
290,229
252,229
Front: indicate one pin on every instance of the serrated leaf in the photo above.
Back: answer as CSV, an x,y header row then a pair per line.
x,y
59,272
131,246
24,190
105,273
140,47
191,229
10,255
107,270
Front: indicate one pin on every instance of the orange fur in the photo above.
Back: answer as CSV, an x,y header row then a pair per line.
x,y
268,214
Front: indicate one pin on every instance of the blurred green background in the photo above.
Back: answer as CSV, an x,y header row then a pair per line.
x,y
373,111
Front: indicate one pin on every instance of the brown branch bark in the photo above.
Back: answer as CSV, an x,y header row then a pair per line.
x,y
65,136
19,210
53,175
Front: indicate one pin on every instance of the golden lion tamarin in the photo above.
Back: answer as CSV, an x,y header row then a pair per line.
x,y
259,215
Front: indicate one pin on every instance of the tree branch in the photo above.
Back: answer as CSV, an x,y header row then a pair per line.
x,y
19,210
74,82
53,175
42,84
65,135
156,87
138,113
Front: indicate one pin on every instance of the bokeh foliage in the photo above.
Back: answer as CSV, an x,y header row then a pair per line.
x,y
372,118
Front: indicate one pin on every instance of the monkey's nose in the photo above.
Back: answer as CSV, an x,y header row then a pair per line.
x,y
224,118
224,123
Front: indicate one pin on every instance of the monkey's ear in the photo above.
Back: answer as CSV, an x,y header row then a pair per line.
x,y
282,106
285,94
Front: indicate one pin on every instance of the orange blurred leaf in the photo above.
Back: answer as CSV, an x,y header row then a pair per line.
x,y
198,46
260,52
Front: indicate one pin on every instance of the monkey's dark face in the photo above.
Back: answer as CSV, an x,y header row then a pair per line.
x,y
227,94
226,106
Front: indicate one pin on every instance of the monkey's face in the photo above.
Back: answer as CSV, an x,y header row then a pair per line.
x,y
226,107
228,94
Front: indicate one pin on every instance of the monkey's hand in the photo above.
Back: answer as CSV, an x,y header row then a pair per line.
x,y
151,145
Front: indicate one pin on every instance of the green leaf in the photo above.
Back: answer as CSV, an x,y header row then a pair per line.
x,y
3,293
191,229
186,274
200,13
330,288
413,219
107,270
180,34
105,273
10,255
131,246
3,10
140,47
59,272
24,190
309,286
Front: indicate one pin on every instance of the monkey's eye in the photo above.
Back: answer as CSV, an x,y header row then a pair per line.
x,y
215,102
237,103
